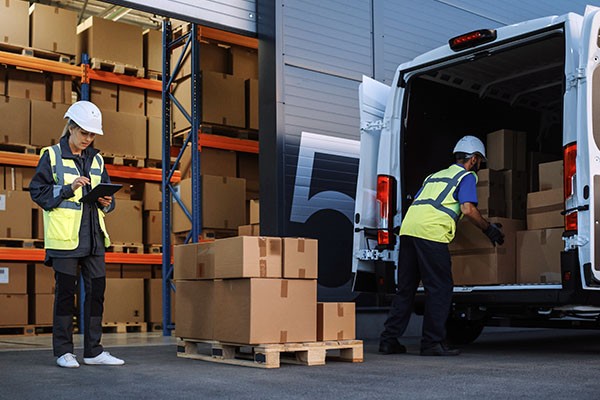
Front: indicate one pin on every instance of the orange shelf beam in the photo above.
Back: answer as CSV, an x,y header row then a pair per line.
x,y
17,254
148,174
19,159
127,80
227,37
227,143
39,64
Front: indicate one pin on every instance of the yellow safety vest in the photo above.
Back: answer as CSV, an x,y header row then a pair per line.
x,y
435,211
61,224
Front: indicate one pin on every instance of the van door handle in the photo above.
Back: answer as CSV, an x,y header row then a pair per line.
x,y
579,208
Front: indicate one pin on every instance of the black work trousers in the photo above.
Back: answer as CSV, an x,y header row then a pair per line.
x,y
64,309
429,262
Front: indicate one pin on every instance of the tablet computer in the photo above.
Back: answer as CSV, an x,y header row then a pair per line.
x,y
101,190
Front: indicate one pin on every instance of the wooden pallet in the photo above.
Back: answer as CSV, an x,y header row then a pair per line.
x,y
124,327
271,355
153,248
26,330
230,131
116,67
37,53
128,248
212,234
131,161
156,75
22,243
18,148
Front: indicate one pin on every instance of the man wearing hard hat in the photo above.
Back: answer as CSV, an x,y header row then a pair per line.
x,y
428,226
74,231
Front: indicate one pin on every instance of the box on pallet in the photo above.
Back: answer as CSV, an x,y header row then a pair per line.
x,y
254,311
476,261
47,122
105,95
248,257
124,300
13,309
13,278
124,223
111,41
124,135
53,29
300,258
15,214
14,22
538,255
42,310
222,203
244,62
336,321
194,261
551,175
195,309
153,57
26,85
15,116
506,149
131,100
544,209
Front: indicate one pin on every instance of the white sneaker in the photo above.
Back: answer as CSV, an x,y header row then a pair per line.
x,y
104,358
67,360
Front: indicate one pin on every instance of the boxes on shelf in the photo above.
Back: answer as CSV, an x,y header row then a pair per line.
x,y
153,104
300,258
195,309
155,138
249,230
476,261
111,41
252,104
14,22
41,279
223,204
105,95
194,261
506,149
13,178
43,306
538,255
213,58
124,223
124,300
212,162
515,183
154,301
544,209
551,175
248,257
13,309
124,135
248,169
153,50
15,214
141,271
336,321
151,196
253,311
53,29
15,116
153,227
47,122
131,100
26,85
13,278
244,62
62,89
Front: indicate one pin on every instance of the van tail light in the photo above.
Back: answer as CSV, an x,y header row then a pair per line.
x,y
570,155
386,192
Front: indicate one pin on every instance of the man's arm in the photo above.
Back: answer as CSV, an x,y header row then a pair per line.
x,y
472,212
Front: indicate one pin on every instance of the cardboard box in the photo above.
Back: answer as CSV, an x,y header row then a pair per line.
x,y
213,58
551,175
26,85
253,311
544,209
104,95
15,115
249,230
15,214
53,29
248,169
227,105
112,41
3,79
194,261
154,305
153,50
534,159
244,62
14,22
300,258
212,162
131,100
141,271
13,278
124,134
62,89
248,257
195,309
507,149
124,300
47,122
43,309
154,138
336,321
124,223
42,279
516,183
254,212
125,193
223,204
491,193
152,196
476,261
13,309
538,256
37,223
153,227
153,104
252,104
13,178
113,271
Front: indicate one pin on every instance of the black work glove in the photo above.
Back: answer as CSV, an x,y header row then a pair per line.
x,y
494,233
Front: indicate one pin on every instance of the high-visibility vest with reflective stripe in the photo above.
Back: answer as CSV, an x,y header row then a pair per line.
x,y
435,211
61,224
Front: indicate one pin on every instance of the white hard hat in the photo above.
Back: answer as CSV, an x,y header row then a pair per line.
x,y
87,116
470,145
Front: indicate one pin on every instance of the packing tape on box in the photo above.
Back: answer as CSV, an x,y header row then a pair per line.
x,y
283,337
544,209
340,335
275,247
300,246
302,273
340,310
475,252
263,268
262,247
284,289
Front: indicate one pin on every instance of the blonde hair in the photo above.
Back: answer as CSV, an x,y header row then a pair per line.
x,y
66,130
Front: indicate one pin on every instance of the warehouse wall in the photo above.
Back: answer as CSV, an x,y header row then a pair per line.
x,y
319,52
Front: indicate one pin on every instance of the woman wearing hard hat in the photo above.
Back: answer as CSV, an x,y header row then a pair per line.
x,y
74,232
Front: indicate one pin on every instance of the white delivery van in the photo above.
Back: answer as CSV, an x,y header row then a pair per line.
x,y
541,77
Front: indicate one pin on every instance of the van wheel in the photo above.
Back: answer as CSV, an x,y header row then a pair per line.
x,y
463,332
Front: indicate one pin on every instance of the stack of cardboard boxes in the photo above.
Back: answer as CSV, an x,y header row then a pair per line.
x,y
253,290
503,196
13,294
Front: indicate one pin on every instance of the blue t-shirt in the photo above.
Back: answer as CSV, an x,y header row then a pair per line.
x,y
466,192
